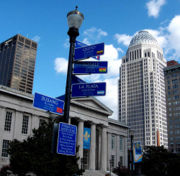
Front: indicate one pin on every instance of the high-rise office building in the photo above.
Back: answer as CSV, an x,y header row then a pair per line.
x,y
172,80
142,102
17,63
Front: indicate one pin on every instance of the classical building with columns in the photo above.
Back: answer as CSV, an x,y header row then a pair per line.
x,y
108,137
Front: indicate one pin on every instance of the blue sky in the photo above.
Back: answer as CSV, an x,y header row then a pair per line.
x,y
113,22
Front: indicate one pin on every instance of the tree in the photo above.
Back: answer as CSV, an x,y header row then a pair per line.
x,y
157,161
121,171
34,155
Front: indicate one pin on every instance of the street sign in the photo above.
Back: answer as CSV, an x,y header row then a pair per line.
x,y
48,103
66,144
89,51
76,79
80,44
88,89
90,67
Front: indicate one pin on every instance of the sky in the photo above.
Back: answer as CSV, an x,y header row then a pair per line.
x,y
113,22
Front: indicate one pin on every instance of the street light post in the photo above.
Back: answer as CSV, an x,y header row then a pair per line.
x,y
75,19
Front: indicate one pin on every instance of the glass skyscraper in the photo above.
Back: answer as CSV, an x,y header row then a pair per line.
x,y
17,63
142,102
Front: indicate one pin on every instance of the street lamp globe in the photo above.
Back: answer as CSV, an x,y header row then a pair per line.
x,y
75,19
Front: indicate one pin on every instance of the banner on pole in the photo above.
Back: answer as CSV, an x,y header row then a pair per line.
x,y
137,152
87,138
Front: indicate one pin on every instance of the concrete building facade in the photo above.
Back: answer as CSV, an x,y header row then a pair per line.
x,y
172,79
142,101
108,137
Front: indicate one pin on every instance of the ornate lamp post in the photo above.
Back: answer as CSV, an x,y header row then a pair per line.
x,y
75,19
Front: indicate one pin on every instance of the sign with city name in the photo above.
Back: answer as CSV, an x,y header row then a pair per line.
x,y
90,67
80,44
89,51
66,144
88,89
49,104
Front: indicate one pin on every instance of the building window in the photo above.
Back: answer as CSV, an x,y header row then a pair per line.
x,y
25,124
112,142
121,161
7,125
41,122
112,161
120,143
5,147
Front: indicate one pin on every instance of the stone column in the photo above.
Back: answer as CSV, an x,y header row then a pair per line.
x,y
104,149
125,152
92,162
2,122
80,141
99,147
108,150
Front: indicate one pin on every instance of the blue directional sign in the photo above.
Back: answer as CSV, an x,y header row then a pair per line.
x,y
80,44
48,103
89,51
89,89
76,79
90,67
66,139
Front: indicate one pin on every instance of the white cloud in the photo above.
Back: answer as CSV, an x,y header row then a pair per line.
x,y
86,41
159,36
120,50
154,7
66,43
111,98
94,33
169,38
36,38
123,38
111,79
60,65
111,55
174,35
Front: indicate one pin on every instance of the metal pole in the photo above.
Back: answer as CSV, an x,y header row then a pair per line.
x,y
73,33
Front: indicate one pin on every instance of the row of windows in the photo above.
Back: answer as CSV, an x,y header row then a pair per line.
x,y
28,42
112,161
113,142
5,143
8,121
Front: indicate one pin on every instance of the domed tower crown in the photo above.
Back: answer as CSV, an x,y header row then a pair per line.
x,y
143,37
